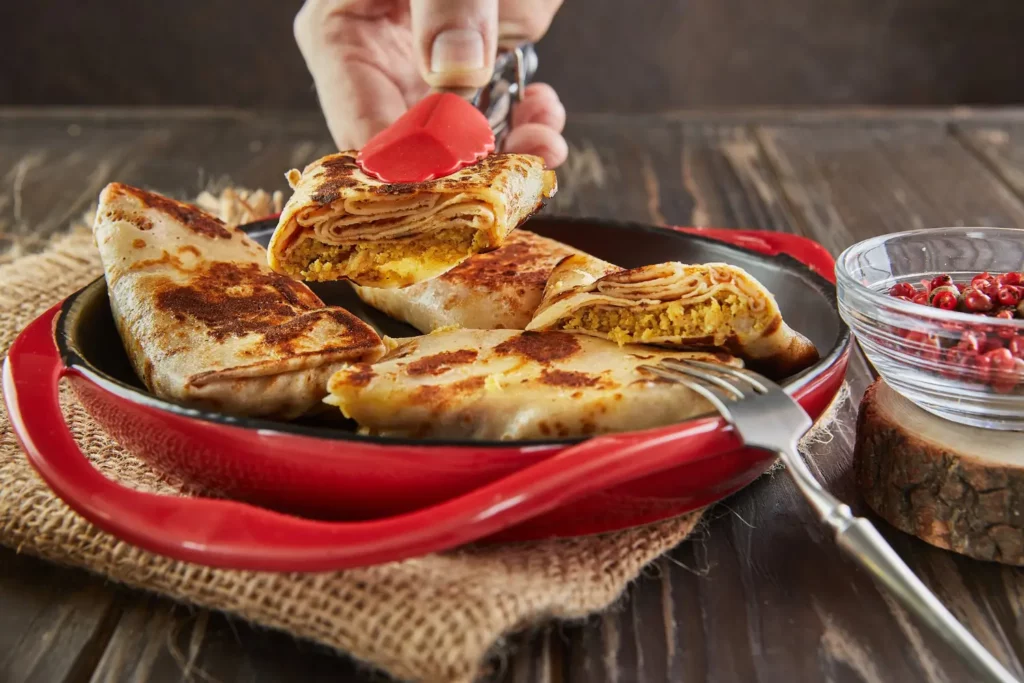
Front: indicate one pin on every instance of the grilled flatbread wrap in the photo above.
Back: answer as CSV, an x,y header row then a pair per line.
x,y
341,223
513,385
497,290
675,305
206,323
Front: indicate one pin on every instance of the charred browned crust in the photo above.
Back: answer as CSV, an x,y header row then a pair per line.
x,y
235,299
540,347
270,299
440,396
195,219
136,219
440,363
574,380
359,375
337,172
523,262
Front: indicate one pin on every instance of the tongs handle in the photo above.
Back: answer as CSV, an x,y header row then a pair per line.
x,y
513,71
514,68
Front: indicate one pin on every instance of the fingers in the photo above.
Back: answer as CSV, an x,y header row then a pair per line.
x,y
359,101
538,120
540,105
351,50
538,139
537,124
521,20
369,66
455,41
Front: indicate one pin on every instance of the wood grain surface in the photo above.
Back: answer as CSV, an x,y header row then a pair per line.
x,y
949,484
654,56
760,593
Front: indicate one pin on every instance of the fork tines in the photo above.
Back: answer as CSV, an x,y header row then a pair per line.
x,y
716,382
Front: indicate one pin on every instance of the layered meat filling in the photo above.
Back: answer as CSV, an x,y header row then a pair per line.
x,y
711,321
391,263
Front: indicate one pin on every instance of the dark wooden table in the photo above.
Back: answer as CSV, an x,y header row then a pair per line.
x,y
761,594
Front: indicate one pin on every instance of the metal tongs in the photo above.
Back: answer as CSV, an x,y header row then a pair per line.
x,y
514,68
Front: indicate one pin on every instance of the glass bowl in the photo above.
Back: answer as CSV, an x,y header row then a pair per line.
x,y
928,354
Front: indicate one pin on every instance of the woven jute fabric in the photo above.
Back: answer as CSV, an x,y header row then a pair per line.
x,y
429,619
434,618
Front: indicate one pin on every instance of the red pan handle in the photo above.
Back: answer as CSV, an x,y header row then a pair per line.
x,y
805,250
231,534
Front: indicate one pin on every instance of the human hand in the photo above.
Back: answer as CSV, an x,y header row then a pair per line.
x,y
373,59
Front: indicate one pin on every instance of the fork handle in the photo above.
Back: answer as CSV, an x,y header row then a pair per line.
x,y
861,540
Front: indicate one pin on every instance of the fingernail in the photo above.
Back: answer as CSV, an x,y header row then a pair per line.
x,y
510,34
457,49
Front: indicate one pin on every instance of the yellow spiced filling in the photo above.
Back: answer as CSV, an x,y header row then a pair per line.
x,y
714,318
396,262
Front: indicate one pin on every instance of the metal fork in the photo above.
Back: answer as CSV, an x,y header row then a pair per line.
x,y
766,417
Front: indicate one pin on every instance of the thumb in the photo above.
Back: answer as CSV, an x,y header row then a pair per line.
x,y
455,40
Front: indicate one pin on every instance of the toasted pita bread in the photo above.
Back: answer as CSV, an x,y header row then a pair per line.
x,y
341,223
513,385
206,323
675,305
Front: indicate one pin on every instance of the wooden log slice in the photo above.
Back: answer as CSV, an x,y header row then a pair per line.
x,y
956,487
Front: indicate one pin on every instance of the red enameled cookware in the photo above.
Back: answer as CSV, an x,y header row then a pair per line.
x,y
308,497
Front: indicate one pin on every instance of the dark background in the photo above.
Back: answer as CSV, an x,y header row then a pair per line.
x,y
602,55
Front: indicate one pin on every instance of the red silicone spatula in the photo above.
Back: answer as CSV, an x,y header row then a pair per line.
x,y
445,132
439,135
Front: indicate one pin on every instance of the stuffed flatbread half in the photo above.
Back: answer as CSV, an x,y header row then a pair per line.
x,y
513,385
676,305
206,323
497,290
341,223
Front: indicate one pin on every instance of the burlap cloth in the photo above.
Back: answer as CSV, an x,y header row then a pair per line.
x,y
430,619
